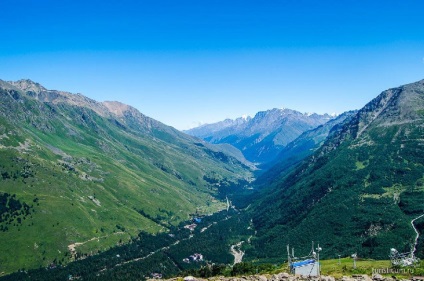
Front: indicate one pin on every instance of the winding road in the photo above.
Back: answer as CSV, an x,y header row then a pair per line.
x,y
163,248
237,252
418,234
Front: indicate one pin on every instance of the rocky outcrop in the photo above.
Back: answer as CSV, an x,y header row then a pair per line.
x,y
283,276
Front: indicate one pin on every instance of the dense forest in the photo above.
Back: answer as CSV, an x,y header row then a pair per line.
x,y
164,253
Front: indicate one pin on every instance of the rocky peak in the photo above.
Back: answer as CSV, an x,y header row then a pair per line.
x,y
275,112
395,106
260,138
37,91
40,93
28,85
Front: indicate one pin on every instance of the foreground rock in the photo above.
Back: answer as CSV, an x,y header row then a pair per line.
x,y
288,277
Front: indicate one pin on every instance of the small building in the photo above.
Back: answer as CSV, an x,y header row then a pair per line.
x,y
306,267
196,257
156,275
191,227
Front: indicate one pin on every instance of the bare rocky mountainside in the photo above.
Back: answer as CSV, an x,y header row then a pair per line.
x,y
304,145
262,137
79,176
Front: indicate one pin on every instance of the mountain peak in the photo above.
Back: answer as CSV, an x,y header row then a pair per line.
x,y
245,117
399,105
261,137
28,85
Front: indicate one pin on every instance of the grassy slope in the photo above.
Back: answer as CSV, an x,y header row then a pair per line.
x,y
359,197
87,177
364,266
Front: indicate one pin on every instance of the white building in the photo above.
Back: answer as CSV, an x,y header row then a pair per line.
x,y
306,267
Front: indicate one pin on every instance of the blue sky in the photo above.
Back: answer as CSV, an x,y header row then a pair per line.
x,y
186,62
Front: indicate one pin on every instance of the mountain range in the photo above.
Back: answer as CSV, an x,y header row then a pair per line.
x,y
303,146
353,184
262,137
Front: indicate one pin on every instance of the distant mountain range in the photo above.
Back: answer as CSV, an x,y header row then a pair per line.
x,y
303,146
262,137
78,176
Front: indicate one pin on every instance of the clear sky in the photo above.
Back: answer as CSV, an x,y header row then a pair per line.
x,y
200,61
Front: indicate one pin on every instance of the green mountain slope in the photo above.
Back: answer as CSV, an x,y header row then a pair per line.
x,y
78,176
359,191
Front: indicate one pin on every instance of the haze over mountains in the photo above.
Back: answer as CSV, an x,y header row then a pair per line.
x,y
304,145
74,170
260,138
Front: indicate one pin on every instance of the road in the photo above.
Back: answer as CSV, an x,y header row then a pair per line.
x,y
237,252
418,234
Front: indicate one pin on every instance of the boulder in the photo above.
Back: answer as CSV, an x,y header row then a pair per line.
x,y
347,278
377,277
283,275
274,277
327,278
262,278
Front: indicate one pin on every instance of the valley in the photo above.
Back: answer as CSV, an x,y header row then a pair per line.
x,y
211,140
101,192
79,173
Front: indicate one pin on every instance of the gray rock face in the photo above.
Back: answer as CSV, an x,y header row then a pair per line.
x,y
396,106
306,144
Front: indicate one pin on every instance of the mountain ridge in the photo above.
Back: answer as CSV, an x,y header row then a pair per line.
x,y
356,193
83,174
367,175
39,92
260,138
303,146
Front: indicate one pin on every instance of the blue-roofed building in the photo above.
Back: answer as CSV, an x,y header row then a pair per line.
x,y
302,263
306,267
